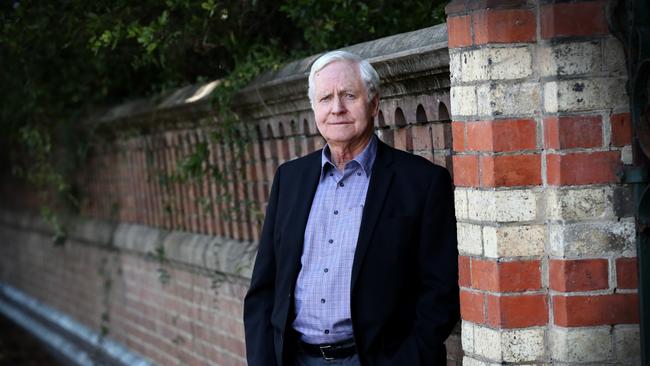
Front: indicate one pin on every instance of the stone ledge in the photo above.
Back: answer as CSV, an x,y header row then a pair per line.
x,y
212,253
404,61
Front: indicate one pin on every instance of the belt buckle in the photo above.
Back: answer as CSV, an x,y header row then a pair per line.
x,y
322,352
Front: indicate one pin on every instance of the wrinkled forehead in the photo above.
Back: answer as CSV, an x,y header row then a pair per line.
x,y
338,74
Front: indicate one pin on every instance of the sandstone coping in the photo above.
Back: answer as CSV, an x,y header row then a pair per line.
x,y
407,63
201,252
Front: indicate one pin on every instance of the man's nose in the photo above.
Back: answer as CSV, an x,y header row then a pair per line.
x,y
339,106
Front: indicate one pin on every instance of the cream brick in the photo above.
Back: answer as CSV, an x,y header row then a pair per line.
x,y
502,206
495,99
580,203
584,94
468,361
550,97
460,203
469,239
614,57
570,58
580,344
627,344
523,345
503,63
509,63
512,345
514,241
487,343
455,67
467,336
626,154
587,239
463,101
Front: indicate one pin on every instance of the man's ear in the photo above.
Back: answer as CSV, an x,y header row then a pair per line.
x,y
374,105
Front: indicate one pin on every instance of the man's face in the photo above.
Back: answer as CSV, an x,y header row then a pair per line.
x,y
341,108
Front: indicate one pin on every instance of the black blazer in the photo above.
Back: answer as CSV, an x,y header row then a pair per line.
x,y
404,290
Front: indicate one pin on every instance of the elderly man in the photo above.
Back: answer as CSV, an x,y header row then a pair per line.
x,y
357,262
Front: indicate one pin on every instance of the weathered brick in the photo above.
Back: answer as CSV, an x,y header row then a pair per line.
x,y
584,311
614,57
567,132
510,170
582,168
502,206
516,311
627,273
513,241
441,135
458,136
469,239
502,135
579,275
627,156
505,276
559,20
504,26
570,58
464,274
496,99
627,343
460,31
467,336
463,101
466,172
503,63
621,129
422,138
512,345
592,239
460,203
403,138
577,203
595,93
580,345
472,306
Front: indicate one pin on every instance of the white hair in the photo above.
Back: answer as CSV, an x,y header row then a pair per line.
x,y
369,75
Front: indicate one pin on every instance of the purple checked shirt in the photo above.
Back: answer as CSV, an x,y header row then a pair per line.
x,y
323,288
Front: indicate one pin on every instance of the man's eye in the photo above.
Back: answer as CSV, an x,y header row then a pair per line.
x,y
325,99
349,96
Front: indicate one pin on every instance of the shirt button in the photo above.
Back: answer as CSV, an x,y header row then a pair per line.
x,y
331,174
359,173
341,184
330,241
322,301
336,212
327,331
326,270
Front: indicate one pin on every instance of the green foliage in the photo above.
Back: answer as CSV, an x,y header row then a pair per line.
x,y
62,60
337,23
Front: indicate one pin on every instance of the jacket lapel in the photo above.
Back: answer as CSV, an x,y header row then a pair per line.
x,y
380,181
305,189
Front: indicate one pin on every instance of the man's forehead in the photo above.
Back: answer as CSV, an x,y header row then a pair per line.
x,y
344,73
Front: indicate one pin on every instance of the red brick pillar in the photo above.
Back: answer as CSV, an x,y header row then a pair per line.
x,y
546,235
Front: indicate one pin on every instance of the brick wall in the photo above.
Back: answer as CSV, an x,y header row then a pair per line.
x,y
164,264
540,128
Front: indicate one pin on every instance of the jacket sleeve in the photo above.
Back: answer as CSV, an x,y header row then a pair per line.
x,y
258,303
438,304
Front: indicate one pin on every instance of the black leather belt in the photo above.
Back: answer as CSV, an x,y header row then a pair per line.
x,y
331,351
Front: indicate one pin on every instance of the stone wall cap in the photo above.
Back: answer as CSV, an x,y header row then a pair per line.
x,y
196,98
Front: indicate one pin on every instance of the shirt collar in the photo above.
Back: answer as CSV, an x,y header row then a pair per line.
x,y
365,159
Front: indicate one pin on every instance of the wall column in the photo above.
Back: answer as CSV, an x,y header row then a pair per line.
x,y
546,234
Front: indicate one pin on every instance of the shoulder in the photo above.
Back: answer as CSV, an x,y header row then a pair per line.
x,y
298,165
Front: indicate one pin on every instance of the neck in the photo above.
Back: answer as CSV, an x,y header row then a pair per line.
x,y
342,153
